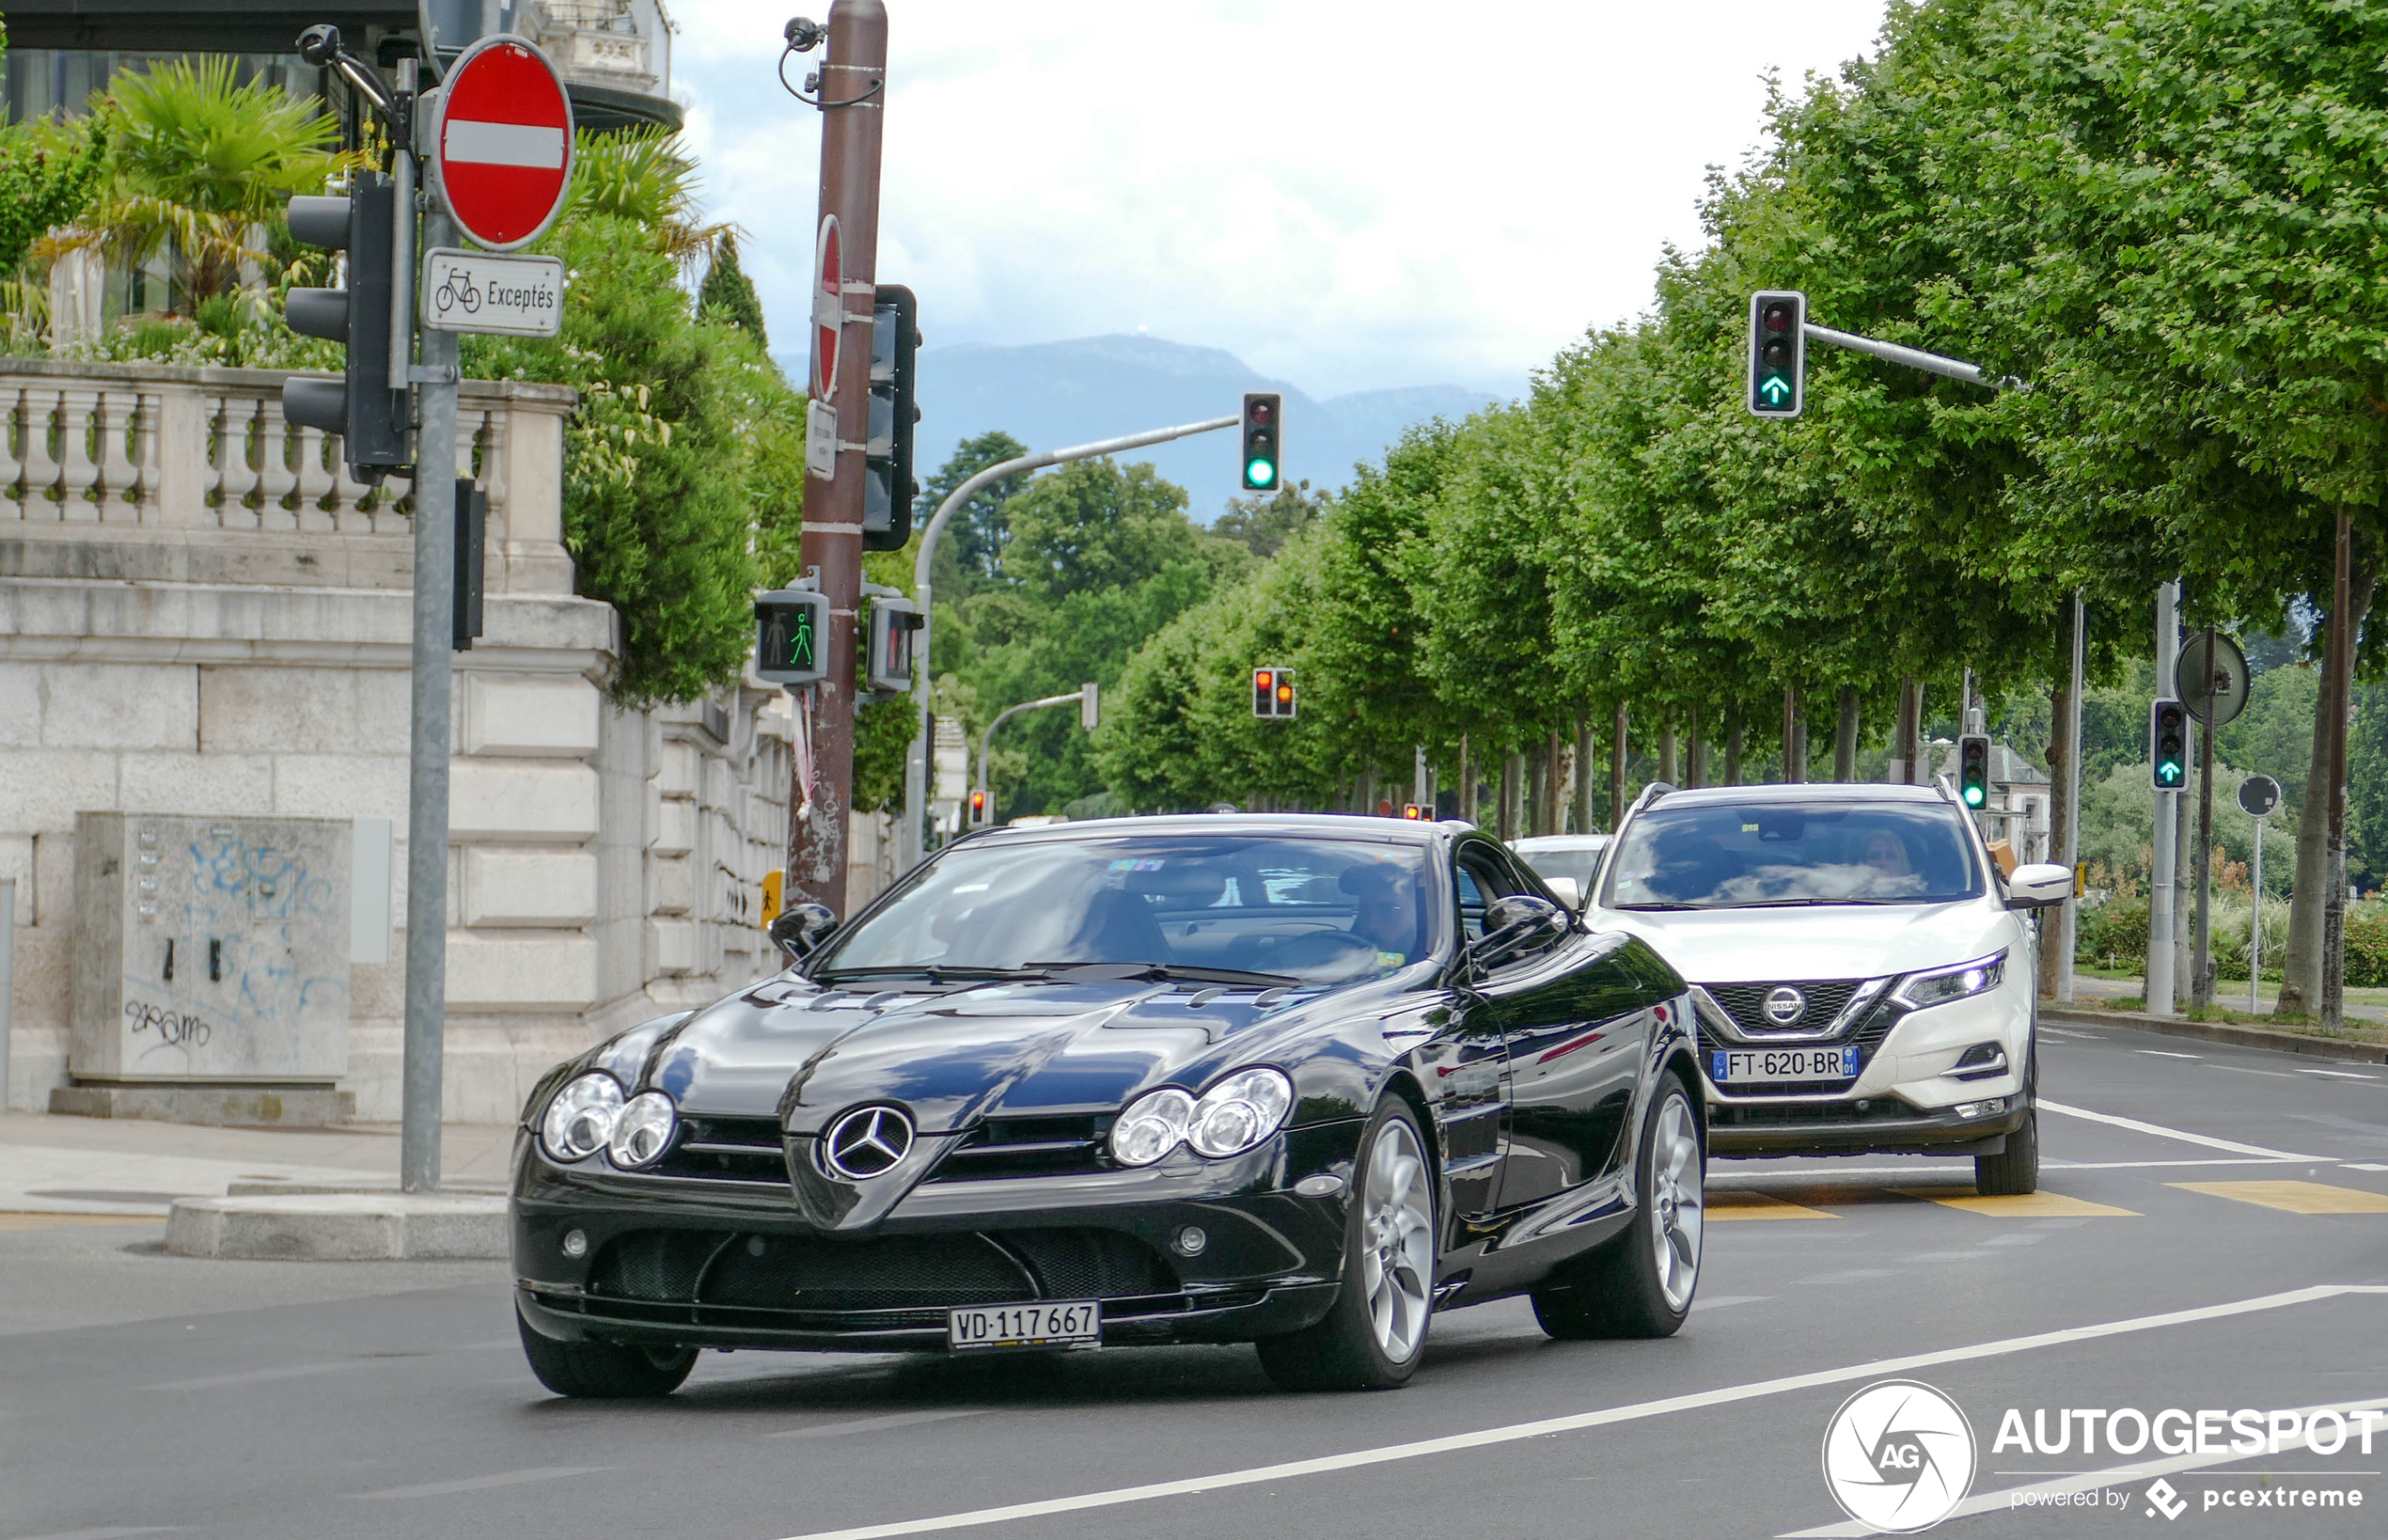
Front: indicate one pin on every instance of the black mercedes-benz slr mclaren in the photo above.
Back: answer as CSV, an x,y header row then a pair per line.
x,y
1294,1080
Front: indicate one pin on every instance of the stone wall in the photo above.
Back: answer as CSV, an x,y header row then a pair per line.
x,y
200,614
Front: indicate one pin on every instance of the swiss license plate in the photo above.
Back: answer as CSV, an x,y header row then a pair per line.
x,y
1061,1323
1727,1065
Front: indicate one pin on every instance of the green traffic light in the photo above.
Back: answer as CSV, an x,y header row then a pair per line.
x,y
1260,473
1775,388
1973,796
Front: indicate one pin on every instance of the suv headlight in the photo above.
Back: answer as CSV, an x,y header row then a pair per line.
x,y
1944,984
581,1118
1232,1117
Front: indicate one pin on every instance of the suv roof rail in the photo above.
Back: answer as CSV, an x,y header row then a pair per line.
x,y
1650,794
1948,792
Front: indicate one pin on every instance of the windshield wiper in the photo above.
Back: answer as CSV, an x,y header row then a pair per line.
x,y
1157,973
1647,906
1801,902
933,972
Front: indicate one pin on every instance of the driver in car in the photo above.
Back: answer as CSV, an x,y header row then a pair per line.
x,y
1385,911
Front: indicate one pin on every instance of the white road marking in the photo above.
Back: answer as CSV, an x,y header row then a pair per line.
x,y
2143,1165
2160,1053
254,1377
1451,1443
2059,1031
477,1484
2340,1075
2162,1132
107,1533
1725,1301
2363,1166
2236,1069
872,1424
2088,1480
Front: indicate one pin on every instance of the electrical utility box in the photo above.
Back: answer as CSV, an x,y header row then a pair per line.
x,y
211,949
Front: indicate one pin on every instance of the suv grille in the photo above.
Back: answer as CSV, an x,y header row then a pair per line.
x,y
1746,1004
1868,1037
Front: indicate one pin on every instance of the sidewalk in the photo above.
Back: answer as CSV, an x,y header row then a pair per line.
x,y
2231,994
123,1166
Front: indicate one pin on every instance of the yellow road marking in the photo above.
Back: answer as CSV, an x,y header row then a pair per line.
x,y
1757,1205
51,1221
2029,1205
2295,1197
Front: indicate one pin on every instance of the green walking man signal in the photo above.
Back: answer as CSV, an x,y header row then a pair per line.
x,y
792,635
1778,353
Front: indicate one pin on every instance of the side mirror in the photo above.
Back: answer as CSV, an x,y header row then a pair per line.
x,y
801,929
2040,886
1570,895
1515,925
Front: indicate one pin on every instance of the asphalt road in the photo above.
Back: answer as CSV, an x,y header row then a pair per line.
x,y
2223,1244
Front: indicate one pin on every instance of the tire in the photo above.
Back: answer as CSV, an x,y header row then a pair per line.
x,y
2013,1171
1641,1284
603,1371
1374,1335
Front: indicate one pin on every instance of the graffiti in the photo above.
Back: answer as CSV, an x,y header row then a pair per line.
x,y
175,1029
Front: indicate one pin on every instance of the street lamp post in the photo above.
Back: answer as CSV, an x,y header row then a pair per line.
x,y
915,764
986,739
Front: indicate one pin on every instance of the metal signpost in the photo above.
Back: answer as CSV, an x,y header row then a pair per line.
x,y
2257,796
2210,678
1084,697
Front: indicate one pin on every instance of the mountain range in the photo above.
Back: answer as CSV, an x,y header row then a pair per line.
x,y
1052,395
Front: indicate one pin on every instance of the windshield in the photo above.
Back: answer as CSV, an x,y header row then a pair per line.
x,y
1575,862
1322,911
1716,856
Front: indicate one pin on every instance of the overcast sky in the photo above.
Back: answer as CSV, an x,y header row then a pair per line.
x,y
1345,193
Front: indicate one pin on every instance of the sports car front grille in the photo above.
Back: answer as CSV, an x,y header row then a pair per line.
x,y
699,1268
722,1149
1746,1004
1026,1147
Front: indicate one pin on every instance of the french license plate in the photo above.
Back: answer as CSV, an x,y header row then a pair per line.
x,y
1738,1064
1061,1323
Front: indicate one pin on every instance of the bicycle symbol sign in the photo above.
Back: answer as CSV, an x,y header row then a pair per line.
x,y
475,291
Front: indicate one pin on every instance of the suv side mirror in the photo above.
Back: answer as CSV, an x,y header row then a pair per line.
x,y
1515,926
1570,895
2040,886
801,928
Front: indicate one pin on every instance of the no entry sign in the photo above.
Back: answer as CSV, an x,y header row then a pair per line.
x,y
828,309
502,143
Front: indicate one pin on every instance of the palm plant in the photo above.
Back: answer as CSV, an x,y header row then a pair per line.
x,y
647,177
204,168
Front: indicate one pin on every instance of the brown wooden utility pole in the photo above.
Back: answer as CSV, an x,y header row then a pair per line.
x,y
852,115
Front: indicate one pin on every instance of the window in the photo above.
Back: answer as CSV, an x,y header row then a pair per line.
x,y
1719,856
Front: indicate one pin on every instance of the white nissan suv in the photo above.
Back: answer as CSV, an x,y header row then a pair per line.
x,y
1862,971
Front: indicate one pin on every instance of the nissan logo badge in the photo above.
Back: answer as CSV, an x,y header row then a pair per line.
x,y
1785,1005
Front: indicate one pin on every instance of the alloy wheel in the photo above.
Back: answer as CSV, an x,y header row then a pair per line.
x,y
1677,1183
1397,1255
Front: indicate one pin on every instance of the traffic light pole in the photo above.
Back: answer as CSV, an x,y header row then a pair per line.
x,y
1930,363
852,99
986,739
915,764
2161,886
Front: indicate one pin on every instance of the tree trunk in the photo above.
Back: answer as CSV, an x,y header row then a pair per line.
x,y
1910,745
1795,759
1695,768
1667,769
1555,752
2301,963
1537,783
1464,789
1733,747
2060,776
1506,815
1845,737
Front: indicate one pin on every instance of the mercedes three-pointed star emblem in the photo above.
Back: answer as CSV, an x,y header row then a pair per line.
x,y
867,1142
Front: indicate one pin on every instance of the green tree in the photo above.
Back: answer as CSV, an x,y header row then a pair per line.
x,y
729,295
1264,525
970,553
48,173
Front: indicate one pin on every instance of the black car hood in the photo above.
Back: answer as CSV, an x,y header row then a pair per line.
x,y
803,1054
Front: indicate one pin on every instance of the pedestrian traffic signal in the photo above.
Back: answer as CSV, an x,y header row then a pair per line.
x,y
1273,692
1264,443
889,491
978,808
894,623
2167,745
1778,353
472,540
792,636
370,416
1973,770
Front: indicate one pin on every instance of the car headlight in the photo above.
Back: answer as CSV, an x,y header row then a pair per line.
x,y
581,1118
1151,1128
1942,986
642,1131
1239,1112
1232,1117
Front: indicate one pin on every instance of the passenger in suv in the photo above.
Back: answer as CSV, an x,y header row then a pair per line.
x,y
1862,968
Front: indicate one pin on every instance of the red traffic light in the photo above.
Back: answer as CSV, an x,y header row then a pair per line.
x,y
1412,810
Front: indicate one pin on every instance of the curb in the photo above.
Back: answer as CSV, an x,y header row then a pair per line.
x,y
340,1227
2220,1032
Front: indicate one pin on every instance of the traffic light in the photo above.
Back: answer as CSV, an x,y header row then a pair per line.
x,y
2167,745
1973,770
1412,810
472,533
1264,442
893,625
1090,705
792,636
887,488
1778,353
1273,692
370,416
978,810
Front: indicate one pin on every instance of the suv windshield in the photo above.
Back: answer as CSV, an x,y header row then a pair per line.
x,y
1722,856
1324,911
